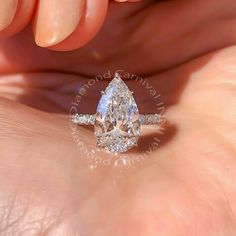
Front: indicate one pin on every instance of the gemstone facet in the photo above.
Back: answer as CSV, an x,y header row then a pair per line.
x,y
117,123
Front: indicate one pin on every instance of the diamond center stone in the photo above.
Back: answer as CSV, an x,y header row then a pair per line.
x,y
117,124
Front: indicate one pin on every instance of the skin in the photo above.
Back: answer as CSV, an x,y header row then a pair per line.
x,y
186,187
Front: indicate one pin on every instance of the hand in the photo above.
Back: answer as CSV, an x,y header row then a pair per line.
x,y
186,187
66,23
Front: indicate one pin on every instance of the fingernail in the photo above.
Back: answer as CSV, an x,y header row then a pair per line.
x,y
56,20
7,12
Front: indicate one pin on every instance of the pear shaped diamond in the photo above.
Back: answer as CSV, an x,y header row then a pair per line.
x,y
117,124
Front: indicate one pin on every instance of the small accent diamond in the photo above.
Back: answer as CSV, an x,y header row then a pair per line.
x,y
83,119
150,119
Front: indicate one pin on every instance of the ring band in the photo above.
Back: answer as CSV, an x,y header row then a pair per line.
x,y
86,119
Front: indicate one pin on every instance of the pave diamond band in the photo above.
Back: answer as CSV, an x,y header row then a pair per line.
x,y
150,119
117,122
86,119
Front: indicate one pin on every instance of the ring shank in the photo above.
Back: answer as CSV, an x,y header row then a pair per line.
x,y
150,119
86,119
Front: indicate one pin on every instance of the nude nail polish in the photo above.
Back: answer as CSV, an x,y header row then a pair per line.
x,y
7,12
56,20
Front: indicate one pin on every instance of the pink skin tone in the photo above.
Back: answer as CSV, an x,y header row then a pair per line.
x,y
54,21
184,188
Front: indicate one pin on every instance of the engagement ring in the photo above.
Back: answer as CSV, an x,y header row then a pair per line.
x,y
117,122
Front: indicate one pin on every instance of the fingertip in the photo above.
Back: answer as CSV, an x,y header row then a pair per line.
x,y
75,33
7,13
56,20
15,15
66,30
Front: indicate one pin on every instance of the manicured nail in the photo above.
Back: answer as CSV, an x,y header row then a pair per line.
x,y
7,12
56,20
